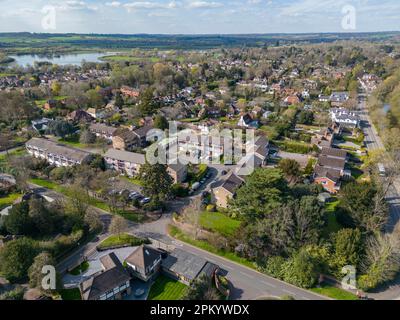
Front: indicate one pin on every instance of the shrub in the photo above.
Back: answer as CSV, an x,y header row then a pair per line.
x,y
274,266
211,208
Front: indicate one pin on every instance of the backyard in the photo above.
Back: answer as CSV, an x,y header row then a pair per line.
x,y
165,288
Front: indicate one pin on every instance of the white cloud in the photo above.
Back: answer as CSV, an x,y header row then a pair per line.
x,y
204,5
151,5
114,4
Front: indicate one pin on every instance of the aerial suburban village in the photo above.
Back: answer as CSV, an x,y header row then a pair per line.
x,y
77,189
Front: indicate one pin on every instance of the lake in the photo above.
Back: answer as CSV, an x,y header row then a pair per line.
x,y
67,59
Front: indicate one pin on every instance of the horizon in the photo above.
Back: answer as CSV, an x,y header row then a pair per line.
x,y
192,17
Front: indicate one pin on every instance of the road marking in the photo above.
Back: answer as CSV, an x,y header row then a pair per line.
x,y
226,267
269,284
247,275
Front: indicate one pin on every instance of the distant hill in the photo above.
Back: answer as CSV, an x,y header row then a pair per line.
x,y
25,40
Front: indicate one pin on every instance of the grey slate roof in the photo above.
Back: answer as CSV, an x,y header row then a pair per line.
x,y
143,257
58,149
184,264
132,157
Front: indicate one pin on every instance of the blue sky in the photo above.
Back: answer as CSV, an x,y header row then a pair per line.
x,y
198,16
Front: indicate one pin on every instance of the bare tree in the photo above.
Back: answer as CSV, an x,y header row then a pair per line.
x,y
192,215
118,225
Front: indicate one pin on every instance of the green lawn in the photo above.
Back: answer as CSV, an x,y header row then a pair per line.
x,y
72,141
335,293
123,239
136,181
220,223
70,294
40,103
332,225
80,269
165,288
44,183
8,200
180,235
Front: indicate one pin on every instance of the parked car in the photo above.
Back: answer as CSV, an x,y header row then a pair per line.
x,y
145,200
195,186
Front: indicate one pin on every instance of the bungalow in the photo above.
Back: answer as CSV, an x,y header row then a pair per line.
x,y
125,162
112,283
144,263
186,267
55,153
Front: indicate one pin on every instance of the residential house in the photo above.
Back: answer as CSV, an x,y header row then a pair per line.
x,y
247,121
178,172
144,263
124,162
125,139
80,116
330,169
130,92
226,190
41,125
345,117
292,100
338,98
112,283
186,267
55,153
102,131
324,138
97,113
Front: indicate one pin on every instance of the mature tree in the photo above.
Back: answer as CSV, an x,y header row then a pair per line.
x,y
364,202
192,213
147,104
43,217
157,183
305,117
35,270
382,260
60,128
56,88
87,137
119,101
118,225
77,203
92,219
291,169
301,270
18,222
263,191
160,122
16,257
202,289
347,246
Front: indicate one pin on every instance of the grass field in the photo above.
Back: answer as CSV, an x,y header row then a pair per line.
x,y
220,223
40,103
123,239
8,200
165,288
335,293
